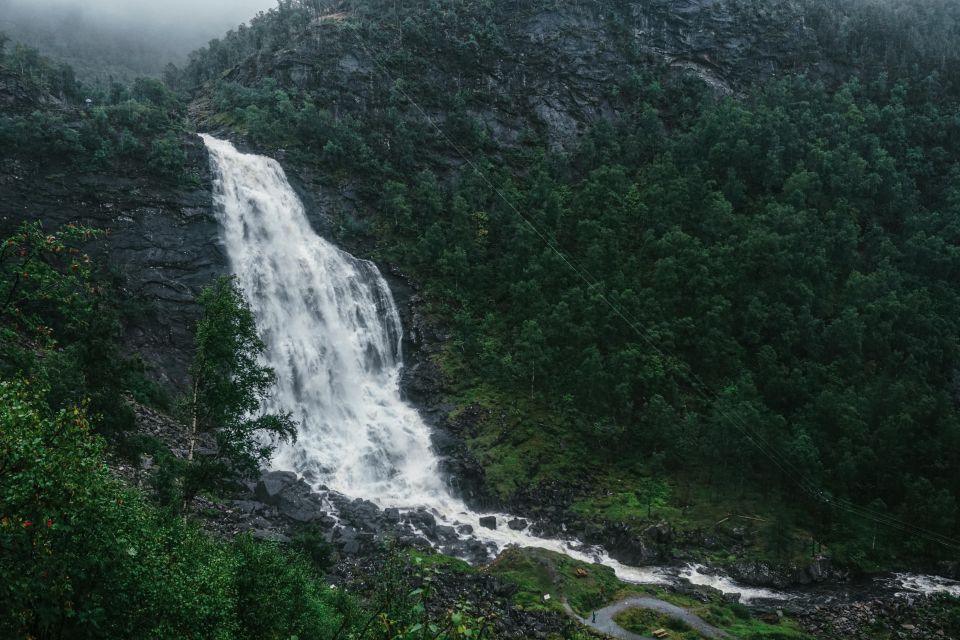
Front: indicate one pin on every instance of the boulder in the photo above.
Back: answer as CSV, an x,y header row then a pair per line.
x,y
423,520
517,524
301,508
659,533
445,532
272,484
490,522
392,515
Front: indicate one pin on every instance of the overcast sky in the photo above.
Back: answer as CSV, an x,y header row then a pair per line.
x,y
208,14
189,19
105,39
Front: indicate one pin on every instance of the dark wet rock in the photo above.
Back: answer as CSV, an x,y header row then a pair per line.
x,y
422,520
301,507
273,483
517,524
702,593
162,241
415,541
247,506
660,533
465,529
445,532
490,522
363,514
764,574
469,549
392,515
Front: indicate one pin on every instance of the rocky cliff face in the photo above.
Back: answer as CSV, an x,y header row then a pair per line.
x,y
162,245
553,68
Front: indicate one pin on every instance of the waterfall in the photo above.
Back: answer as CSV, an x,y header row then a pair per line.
x,y
333,335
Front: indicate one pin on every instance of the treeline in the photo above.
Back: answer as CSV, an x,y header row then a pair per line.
x,y
900,39
61,122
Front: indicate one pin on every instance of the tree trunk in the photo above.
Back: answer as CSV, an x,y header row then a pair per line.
x,y
193,426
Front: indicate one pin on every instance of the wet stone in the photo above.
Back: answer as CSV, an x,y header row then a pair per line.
x,y
273,483
445,532
517,524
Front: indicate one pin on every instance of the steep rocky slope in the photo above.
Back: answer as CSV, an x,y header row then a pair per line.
x,y
544,67
161,245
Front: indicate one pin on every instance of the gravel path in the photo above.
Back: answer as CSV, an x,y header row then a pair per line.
x,y
605,623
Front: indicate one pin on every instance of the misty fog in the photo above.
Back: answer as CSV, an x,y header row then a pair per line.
x,y
118,39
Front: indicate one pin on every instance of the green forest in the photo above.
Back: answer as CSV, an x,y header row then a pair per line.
x,y
745,290
711,302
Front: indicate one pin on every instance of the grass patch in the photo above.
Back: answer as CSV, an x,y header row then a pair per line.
x,y
646,621
759,630
538,572
521,443
431,559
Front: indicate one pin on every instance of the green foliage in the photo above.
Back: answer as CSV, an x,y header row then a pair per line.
x,y
229,387
279,595
403,605
58,323
125,130
83,557
311,540
539,572
645,621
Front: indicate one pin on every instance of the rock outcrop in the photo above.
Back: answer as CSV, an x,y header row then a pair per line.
x,y
161,247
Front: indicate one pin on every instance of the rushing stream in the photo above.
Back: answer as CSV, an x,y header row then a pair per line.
x,y
333,337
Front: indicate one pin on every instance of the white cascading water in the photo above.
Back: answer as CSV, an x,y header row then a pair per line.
x,y
333,336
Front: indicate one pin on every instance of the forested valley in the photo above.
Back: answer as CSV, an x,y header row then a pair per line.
x,y
687,285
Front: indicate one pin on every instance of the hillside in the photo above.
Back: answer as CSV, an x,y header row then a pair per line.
x,y
732,321
680,279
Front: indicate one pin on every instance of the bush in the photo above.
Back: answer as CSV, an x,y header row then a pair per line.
x,y
83,557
